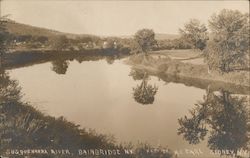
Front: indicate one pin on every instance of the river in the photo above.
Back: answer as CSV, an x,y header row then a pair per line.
x,y
100,95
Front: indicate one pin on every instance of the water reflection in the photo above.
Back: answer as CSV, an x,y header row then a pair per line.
x,y
119,116
223,117
144,93
137,74
22,126
110,59
60,66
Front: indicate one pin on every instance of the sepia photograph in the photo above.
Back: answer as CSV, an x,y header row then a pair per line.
x,y
124,79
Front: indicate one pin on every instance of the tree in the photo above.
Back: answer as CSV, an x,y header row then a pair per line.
x,y
195,33
9,90
110,59
137,74
222,115
24,38
144,40
60,42
40,39
3,39
60,66
144,93
230,43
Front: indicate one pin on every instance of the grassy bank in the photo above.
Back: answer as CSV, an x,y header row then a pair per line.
x,y
178,68
178,54
31,129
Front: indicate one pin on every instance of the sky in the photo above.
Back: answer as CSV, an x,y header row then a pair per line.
x,y
114,18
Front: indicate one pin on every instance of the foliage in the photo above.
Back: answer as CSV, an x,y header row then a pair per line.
x,y
144,40
187,70
41,39
178,43
144,93
60,66
3,39
110,59
135,47
224,115
60,43
24,127
9,90
83,42
147,151
230,43
195,33
137,74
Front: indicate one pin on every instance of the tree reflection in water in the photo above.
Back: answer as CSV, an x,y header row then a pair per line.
x,y
138,75
224,116
143,93
60,66
110,59
24,127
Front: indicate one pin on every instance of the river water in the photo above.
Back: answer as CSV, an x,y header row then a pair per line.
x,y
100,95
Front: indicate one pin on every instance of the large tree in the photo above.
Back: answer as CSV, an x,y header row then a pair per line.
x,y
229,46
224,117
195,33
144,40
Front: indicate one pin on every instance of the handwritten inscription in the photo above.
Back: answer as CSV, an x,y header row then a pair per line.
x,y
113,152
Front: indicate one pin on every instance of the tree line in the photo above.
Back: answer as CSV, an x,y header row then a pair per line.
x,y
224,42
225,47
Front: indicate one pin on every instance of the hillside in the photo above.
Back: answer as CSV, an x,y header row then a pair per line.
x,y
24,29
162,36
159,36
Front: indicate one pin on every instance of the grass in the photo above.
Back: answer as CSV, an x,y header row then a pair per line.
x,y
181,54
184,55
182,68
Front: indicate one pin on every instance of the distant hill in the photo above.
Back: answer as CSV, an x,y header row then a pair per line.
x,y
24,29
159,36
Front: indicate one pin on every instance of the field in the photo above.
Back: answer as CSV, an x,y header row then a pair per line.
x,y
183,55
186,63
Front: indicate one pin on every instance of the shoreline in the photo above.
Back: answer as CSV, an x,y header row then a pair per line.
x,y
168,69
213,85
178,71
19,59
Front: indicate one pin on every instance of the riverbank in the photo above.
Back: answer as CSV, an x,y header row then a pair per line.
x,y
32,133
26,58
173,67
